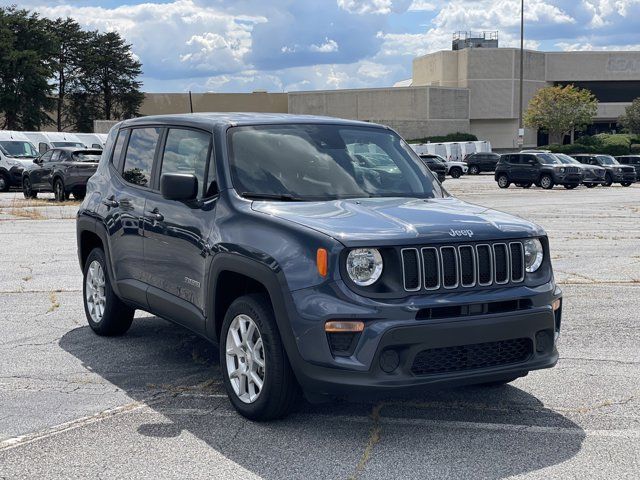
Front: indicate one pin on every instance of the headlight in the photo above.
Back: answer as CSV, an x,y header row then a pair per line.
x,y
533,254
364,266
618,169
560,169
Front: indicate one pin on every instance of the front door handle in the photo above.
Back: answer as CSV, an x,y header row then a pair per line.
x,y
111,202
154,215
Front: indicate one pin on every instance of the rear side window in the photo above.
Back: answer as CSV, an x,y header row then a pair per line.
x,y
514,159
187,151
138,160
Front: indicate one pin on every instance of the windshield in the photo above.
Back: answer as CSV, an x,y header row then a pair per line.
x,y
324,162
68,144
18,149
607,160
86,156
566,159
548,159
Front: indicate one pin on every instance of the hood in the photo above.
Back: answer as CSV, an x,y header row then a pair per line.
x,y
393,221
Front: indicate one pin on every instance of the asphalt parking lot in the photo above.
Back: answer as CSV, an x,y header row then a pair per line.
x,y
151,403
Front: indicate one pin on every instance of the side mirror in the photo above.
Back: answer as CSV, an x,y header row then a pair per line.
x,y
179,186
36,161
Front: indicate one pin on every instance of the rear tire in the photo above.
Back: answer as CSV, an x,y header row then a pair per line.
x,y
503,181
474,170
239,350
626,184
106,313
455,172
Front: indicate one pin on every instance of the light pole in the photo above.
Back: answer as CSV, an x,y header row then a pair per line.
x,y
520,97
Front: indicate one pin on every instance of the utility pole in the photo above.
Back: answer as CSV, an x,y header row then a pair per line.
x,y
190,103
520,97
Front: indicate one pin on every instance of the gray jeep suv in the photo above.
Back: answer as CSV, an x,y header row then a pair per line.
x,y
312,271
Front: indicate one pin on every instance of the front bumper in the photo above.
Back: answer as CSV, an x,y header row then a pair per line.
x,y
568,179
396,329
624,177
16,176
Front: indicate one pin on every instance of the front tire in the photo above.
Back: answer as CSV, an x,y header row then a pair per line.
x,y
256,371
455,172
503,181
5,182
27,190
608,180
106,313
58,190
546,182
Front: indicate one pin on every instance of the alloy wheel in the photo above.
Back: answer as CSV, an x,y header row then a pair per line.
x,y
245,358
95,291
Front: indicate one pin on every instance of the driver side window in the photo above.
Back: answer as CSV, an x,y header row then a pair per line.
x,y
47,156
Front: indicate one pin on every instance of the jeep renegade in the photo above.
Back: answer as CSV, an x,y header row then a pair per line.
x,y
312,271
536,167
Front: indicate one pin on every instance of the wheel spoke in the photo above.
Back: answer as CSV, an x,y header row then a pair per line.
x,y
245,360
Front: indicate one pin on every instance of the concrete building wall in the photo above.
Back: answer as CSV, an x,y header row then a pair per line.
x,y
592,66
167,103
414,112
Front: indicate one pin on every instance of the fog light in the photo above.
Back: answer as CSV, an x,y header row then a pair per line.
x,y
389,361
556,304
343,326
544,341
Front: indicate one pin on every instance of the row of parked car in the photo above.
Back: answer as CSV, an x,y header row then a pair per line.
x,y
546,170
60,163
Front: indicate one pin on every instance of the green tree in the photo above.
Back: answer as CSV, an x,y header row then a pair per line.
x,y
25,69
70,42
631,118
111,76
560,110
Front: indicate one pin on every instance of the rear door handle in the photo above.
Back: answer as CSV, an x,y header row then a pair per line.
x,y
111,202
154,215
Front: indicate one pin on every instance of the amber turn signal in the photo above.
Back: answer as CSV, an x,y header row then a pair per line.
x,y
321,261
343,326
556,304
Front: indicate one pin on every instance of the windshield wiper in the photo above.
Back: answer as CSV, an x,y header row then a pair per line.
x,y
283,197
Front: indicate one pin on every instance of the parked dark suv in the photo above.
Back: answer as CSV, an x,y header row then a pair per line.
x,y
436,165
625,175
481,162
63,171
540,168
633,160
265,234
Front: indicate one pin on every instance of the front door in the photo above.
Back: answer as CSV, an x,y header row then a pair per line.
x,y
42,171
177,233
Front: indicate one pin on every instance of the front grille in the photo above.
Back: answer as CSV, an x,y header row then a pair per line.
x,y
465,266
471,357
628,169
572,169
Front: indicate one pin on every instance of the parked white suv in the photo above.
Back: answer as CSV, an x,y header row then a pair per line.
x,y
16,153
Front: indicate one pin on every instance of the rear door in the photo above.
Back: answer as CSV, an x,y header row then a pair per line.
x,y
125,201
176,233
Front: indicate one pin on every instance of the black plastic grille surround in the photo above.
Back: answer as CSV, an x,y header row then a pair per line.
x,y
467,265
470,357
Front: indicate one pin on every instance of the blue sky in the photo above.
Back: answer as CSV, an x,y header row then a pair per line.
x,y
289,45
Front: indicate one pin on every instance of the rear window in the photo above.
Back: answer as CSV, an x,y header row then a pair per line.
x,y
138,160
68,144
86,156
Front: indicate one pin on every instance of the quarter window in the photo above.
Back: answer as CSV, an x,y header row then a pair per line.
x,y
138,160
187,151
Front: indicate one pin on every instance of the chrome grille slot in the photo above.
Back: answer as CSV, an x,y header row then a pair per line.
x,y
411,269
431,268
449,258
500,263
485,265
517,261
467,266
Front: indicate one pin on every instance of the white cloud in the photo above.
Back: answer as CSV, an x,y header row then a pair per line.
x,y
373,70
379,7
327,47
422,6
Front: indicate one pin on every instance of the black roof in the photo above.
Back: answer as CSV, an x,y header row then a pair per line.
x,y
229,119
78,149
